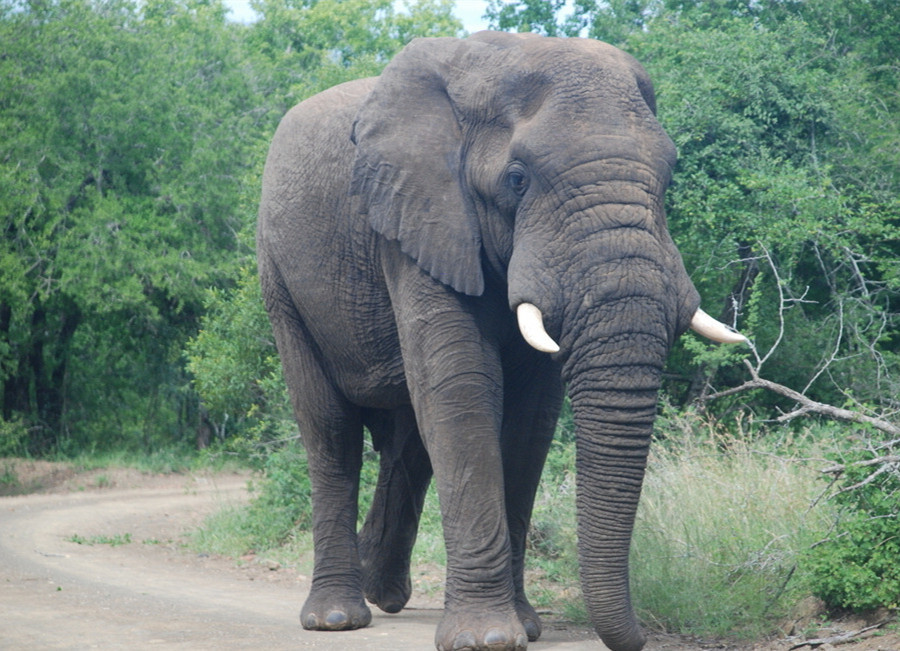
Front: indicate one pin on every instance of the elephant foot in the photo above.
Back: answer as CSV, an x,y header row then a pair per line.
x,y
480,631
325,611
386,581
390,593
531,621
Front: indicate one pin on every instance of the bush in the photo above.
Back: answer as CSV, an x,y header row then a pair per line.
x,y
858,567
281,509
13,436
234,363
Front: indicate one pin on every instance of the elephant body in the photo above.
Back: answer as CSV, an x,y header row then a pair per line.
x,y
404,220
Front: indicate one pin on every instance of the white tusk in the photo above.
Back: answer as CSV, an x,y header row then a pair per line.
x,y
531,325
704,324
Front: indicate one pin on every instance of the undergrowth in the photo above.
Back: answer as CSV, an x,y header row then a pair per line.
x,y
857,566
723,523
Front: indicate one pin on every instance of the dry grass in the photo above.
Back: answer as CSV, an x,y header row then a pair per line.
x,y
722,523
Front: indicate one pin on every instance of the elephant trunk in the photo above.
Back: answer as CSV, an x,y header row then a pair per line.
x,y
612,440
613,383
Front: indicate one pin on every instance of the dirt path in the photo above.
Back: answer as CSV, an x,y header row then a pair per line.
x,y
152,592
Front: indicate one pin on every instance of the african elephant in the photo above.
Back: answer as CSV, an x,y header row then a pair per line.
x,y
425,239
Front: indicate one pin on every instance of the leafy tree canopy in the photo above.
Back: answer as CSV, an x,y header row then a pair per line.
x,y
134,137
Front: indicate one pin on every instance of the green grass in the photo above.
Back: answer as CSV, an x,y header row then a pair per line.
x,y
9,480
162,460
113,541
551,559
721,530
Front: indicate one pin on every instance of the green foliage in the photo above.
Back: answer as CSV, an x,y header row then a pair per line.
x,y
284,502
313,45
134,139
126,133
280,512
235,366
856,566
771,220
13,437
538,16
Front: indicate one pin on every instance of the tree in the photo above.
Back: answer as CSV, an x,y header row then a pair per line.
x,y
121,190
315,44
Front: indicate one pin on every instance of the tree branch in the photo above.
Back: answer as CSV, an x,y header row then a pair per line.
x,y
842,638
806,405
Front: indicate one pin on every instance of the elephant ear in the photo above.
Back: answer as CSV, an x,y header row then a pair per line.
x,y
408,167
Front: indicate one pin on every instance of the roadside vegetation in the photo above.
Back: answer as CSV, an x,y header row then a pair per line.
x,y
131,327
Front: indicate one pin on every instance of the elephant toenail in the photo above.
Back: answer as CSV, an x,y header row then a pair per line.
x,y
336,618
465,640
495,636
522,641
311,622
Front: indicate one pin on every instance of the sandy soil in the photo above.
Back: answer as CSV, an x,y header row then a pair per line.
x,y
152,592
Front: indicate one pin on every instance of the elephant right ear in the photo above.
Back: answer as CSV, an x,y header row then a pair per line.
x,y
408,168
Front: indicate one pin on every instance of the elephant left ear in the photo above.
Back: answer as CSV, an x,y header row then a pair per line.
x,y
409,163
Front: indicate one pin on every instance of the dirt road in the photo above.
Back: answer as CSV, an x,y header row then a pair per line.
x,y
150,592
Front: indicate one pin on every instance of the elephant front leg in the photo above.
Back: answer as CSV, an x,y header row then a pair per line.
x,y
450,348
459,414
533,398
480,607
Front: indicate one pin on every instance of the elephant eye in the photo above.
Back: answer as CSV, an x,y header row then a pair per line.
x,y
517,181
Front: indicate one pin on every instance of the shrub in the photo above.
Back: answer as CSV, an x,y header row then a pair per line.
x,y
13,436
858,566
281,508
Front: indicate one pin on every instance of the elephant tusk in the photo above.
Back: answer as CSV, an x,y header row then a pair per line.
x,y
704,324
531,325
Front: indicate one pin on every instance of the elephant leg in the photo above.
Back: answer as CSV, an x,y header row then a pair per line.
x,y
331,430
534,396
387,537
455,383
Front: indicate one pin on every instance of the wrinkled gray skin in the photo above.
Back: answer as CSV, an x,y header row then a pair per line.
x,y
403,219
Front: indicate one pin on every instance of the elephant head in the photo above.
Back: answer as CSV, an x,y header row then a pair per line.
x,y
539,163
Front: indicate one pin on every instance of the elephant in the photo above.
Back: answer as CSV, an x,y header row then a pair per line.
x,y
445,251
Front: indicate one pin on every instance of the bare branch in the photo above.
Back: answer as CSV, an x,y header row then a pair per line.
x,y
834,352
781,307
842,638
841,467
807,405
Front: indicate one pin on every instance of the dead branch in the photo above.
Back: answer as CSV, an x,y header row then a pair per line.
x,y
807,405
877,461
842,638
